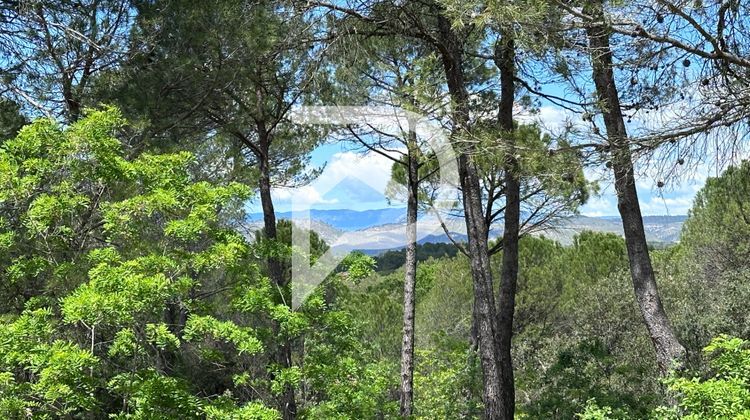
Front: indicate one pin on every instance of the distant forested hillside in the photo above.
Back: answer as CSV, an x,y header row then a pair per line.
x,y
389,261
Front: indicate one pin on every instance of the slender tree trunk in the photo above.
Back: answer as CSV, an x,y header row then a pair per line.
x,y
269,222
504,59
669,352
72,106
283,354
410,279
484,302
476,229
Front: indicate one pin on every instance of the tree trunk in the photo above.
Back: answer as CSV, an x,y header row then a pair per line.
x,y
283,354
269,221
669,352
410,279
72,106
504,59
476,229
484,302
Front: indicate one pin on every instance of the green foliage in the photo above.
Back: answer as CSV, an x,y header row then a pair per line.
x,y
711,261
719,221
724,393
242,338
447,383
51,180
150,395
357,389
229,99
40,374
149,259
114,296
579,335
358,266
121,242
594,412
250,411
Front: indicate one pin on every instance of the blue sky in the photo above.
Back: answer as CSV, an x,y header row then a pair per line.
x,y
351,180
371,172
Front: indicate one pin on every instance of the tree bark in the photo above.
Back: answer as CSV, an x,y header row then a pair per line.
x,y
504,59
476,229
410,279
669,352
484,302
283,356
269,217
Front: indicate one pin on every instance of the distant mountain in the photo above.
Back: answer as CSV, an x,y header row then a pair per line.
x,y
663,219
375,231
348,220
353,190
666,228
659,229
327,232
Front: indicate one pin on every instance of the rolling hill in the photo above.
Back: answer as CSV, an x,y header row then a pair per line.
x,y
379,230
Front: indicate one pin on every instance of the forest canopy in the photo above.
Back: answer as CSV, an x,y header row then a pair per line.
x,y
137,138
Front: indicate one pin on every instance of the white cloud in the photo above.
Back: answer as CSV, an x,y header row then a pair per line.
x,y
304,195
656,205
600,206
371,168
551,119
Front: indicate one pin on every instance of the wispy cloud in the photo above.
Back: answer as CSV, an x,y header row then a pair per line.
x,y
372,169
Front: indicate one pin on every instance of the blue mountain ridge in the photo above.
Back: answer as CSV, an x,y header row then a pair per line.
x,y
352,220
348,220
